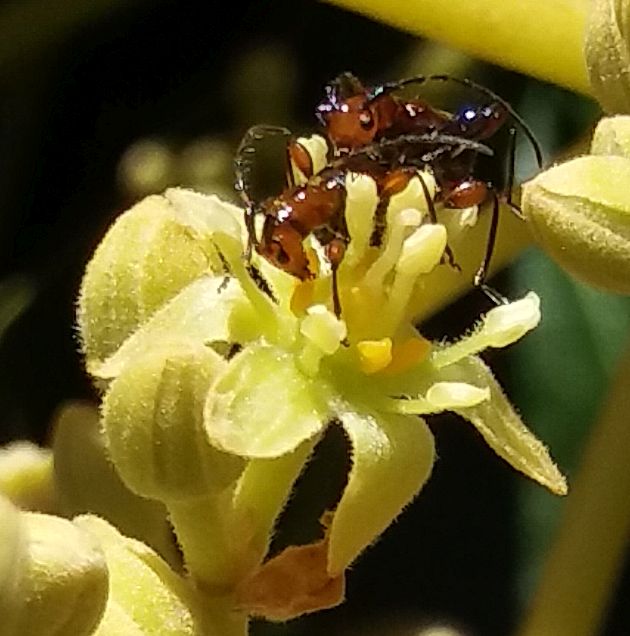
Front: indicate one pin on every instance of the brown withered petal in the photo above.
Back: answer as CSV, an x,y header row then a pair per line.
x,y
293,583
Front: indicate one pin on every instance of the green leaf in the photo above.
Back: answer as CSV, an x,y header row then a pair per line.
x,y
392,458
558,377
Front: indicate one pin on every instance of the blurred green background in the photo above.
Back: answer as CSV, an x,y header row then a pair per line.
x,y
103,101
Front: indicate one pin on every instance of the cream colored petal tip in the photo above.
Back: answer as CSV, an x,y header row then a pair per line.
x,y
323,329
451,395
506,324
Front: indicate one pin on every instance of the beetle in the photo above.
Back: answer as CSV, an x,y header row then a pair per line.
x,y
354,116
317,205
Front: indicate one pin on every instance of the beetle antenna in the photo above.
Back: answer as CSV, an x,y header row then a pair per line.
x,y
485,91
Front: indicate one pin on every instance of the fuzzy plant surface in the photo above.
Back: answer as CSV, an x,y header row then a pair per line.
x,y
216,389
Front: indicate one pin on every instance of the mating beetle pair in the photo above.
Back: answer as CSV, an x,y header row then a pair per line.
x,y
392,139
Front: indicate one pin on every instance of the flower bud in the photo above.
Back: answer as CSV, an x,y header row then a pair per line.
x,y
607,53
60,580
87,482
144,260
11,551
26,476
612,137
146,596
153,423
580,213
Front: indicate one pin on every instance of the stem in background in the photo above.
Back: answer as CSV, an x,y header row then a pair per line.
x,y
587,555
542,39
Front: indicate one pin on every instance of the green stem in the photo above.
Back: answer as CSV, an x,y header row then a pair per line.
x,y
208,540
221,619
585,561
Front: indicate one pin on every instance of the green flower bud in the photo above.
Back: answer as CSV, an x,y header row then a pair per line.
x,y
88,482
60,580
612,137
145,595
12,541
147,256
580,213
607,54
26,476
153,424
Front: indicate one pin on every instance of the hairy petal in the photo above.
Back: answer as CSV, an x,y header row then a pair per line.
x,y
504,431
199,314
263,405
392,457
153,424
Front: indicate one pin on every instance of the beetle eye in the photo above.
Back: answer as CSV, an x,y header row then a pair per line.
x,y
467,114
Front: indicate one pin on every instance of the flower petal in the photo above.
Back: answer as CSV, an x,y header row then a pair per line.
x,y
579,212
259,497
62,579
26,476
87,481
504,431
263,405
392,457
13,551
199,313
206,215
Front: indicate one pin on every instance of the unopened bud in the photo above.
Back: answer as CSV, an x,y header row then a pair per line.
x,y
580,213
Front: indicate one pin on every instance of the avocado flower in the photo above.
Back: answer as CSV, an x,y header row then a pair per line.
x,y
220,376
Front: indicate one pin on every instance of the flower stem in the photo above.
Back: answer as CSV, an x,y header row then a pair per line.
x,y
206,537
221,619
586,558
